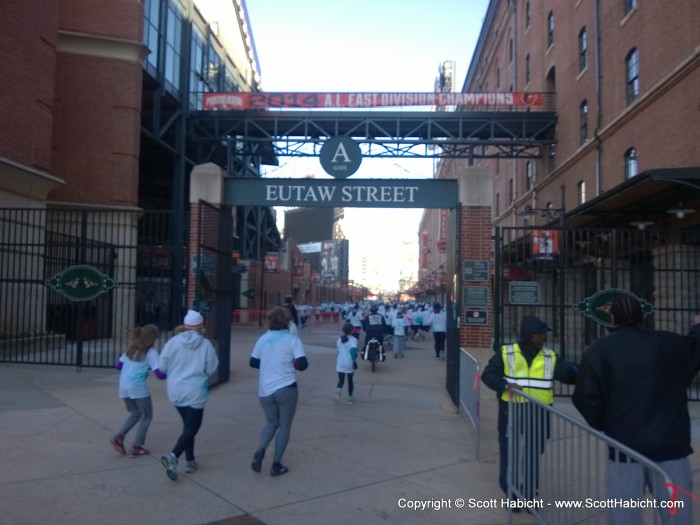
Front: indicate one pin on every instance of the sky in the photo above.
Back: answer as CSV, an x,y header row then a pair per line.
x,y
365,46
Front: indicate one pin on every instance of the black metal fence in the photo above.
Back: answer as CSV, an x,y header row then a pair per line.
x,y
44,324
554,274
213,280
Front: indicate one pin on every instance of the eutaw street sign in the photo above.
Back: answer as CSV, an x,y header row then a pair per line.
x,y
344,193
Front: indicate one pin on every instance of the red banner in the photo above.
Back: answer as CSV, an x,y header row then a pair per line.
x,y
240,101
545,243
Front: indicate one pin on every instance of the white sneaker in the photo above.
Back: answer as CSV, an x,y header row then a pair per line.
x,y
169,461
337,394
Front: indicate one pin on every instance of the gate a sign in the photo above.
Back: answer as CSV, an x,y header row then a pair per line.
x,y
340,157
81,282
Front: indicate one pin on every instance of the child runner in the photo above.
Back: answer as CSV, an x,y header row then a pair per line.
x,y
134,365
346,363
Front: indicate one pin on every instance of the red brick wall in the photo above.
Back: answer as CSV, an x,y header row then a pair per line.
x,y
476,243
110,18
27,56
96,129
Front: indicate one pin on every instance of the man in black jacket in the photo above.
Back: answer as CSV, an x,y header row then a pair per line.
x,y
632,386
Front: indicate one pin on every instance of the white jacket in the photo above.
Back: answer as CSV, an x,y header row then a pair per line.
x,y
188,359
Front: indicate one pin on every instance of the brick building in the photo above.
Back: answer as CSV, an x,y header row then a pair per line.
x,y
623,154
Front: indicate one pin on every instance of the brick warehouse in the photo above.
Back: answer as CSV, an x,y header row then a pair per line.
x,y
624,151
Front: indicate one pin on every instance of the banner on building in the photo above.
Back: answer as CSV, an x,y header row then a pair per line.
x,y
242,101
442,233
329,262
545,244
271,263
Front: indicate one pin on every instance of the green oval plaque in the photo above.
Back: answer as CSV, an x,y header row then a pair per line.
x,y
81,282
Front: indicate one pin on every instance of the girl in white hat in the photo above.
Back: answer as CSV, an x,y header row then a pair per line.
x,y
188,359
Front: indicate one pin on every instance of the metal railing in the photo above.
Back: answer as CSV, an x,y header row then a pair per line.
x,y
562,471
469,392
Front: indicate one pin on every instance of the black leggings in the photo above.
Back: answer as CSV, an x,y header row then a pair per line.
x,y
341,381
191,421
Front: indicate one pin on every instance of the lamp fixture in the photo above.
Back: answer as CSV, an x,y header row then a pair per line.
x,y
680,211
641,224
550,214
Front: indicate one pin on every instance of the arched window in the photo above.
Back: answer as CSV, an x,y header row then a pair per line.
x,y
527,15
511,50
632,68
582,49
583,122
581,192
527,69
550,28
630,163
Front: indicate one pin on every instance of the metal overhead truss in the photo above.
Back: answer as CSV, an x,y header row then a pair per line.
x,y
420,134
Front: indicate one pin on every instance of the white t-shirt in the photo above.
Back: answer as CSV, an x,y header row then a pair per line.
x,y
399,325
132,380
343,362
277,350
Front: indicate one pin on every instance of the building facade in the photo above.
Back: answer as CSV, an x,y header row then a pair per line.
x,y
623,158
98,101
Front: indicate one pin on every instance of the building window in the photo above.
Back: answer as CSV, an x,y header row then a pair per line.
x,y
527,69
527,15
581,192
214,67
629,5
498,77
583,122
511,191
582,50
630,163
632,67
198,48
151,10
511,50
551,159
230,84
498,204
550,28
173,44
529,175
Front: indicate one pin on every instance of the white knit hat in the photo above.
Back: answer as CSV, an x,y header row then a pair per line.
x,y
193,319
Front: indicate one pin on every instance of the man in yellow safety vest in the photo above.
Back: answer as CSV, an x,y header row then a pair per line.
x,y
530,367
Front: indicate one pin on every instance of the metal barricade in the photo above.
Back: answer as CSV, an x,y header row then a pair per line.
x,y
562,471
469,392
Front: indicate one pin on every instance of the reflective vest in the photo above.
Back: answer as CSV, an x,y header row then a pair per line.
x,y
537,380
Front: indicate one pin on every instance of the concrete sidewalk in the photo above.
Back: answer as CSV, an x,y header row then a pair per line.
x,y
402,441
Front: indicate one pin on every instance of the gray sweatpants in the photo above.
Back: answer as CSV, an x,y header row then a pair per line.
x,y
279,411
627,481
141,412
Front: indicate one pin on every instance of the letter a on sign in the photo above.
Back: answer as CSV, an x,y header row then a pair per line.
x,y
340,152
340,157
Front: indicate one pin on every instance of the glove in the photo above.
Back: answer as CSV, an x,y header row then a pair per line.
x,y
354,365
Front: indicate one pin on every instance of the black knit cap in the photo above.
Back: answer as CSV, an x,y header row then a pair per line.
x,y
531,325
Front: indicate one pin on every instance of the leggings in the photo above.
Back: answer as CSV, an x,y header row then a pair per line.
x,y
279,411
341,382
191,421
